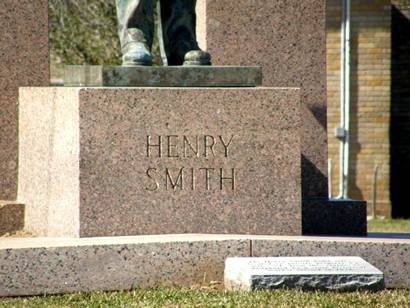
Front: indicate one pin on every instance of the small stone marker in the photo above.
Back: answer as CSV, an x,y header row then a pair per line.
x,y
309,273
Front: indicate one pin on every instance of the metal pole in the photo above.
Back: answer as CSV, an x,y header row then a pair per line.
x,y
329,178
343,132
374,192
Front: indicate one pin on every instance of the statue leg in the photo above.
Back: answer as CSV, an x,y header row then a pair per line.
x,y
135,27
179,31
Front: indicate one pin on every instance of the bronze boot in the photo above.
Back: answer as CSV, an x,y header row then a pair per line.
x,y
179,31
135,20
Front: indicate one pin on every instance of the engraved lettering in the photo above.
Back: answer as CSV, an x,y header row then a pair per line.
x,y
209,142
152,178
192,178
187,144
179,180
171,146
158,145
226,145
223,178
207,177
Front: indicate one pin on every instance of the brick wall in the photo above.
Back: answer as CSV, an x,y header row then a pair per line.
x,y
370,97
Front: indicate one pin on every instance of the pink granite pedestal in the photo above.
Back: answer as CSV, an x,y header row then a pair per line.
x,y
133,161
24,61
287,38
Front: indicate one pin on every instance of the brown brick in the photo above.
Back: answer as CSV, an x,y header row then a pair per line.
x,y
370,97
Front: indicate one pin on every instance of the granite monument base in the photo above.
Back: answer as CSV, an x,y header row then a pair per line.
x,y
36,266
134,161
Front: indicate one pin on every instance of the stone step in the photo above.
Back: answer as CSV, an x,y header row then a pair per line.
x,y
11,217
31,266
169,76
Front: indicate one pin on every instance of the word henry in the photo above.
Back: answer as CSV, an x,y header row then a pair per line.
x,y
189,178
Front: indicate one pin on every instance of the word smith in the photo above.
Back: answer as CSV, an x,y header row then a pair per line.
x,y
192,147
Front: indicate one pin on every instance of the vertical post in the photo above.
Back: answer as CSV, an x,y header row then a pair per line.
x,y
344,100
329,178
374,191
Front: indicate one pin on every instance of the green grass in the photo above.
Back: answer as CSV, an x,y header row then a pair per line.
x,y
389,225
179,297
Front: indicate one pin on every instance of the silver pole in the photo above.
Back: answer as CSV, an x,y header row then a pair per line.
x,y
344,100
374,191
329,178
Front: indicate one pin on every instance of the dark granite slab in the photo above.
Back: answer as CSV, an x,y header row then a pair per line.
x,y
169,76
321,216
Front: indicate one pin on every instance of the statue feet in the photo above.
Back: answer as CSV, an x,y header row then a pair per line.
x,y
136,52
197,57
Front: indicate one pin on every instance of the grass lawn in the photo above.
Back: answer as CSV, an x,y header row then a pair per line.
x,y
389,225
177,297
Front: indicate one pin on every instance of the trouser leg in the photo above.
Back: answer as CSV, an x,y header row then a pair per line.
x,y
135,27
179,23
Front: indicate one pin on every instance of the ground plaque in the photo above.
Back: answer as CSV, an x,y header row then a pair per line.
x,y
314,273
